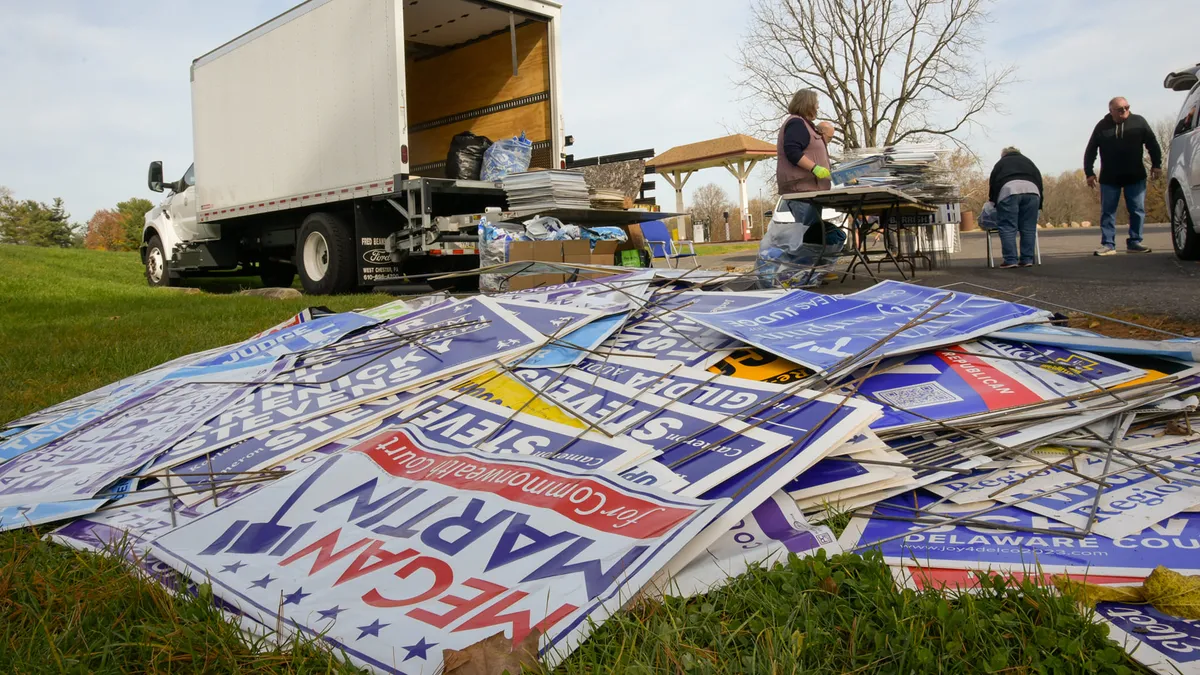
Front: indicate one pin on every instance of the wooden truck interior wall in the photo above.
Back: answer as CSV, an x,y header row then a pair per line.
x,y
444,89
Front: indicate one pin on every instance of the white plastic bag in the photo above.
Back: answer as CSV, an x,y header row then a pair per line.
x,y
988,218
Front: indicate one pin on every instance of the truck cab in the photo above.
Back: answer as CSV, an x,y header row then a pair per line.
x,y
170,224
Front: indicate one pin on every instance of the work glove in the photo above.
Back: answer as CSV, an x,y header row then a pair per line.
x,y
820,172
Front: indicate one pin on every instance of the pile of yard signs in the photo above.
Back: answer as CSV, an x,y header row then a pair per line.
x,y
422,475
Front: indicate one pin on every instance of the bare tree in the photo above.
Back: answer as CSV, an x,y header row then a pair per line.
x,y
893,69
1156,190
709,204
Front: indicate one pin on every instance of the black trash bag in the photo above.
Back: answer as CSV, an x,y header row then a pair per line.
x,y
466,156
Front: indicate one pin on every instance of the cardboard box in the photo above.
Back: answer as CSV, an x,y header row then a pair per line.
x,y
605,252
547,251
576,248
520,250
525,281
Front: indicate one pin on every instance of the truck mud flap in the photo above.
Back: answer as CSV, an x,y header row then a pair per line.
x,y
375,265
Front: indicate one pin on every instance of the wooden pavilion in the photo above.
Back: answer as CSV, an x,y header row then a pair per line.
x,y
737,153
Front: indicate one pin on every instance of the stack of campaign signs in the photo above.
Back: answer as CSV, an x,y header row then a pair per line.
x,y
420,476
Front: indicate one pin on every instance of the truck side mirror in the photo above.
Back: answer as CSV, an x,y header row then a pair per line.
x,y
154,179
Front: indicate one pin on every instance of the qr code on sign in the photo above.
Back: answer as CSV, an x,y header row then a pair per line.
x,y
916,396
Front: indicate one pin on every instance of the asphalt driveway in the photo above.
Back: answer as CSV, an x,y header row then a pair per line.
x,y
1152,283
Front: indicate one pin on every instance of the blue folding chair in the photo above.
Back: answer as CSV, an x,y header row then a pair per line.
x,y
658,238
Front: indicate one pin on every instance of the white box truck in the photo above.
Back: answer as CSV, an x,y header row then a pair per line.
x,y
320,139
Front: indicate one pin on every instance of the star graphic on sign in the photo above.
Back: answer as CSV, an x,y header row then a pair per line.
x,y
233,569
331,613
295,597
371,629
262,583
505,343
560,320
418,650
463,307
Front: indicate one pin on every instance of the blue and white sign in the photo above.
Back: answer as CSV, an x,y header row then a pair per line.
x,y
832,333
618,293
948,384
1187,349
828,477
771,532
1133,501
81,465
466,422
89,407
1165,644
374,551
770,407
576,345
199,479
1066,371
661,330
696,444
554,320
460,335
17,517
294,339
1172,543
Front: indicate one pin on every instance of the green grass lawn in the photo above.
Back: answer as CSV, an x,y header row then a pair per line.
x,y
74,320
723,249
71,321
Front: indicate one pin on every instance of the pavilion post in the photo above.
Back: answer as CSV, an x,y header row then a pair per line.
x,y
677,179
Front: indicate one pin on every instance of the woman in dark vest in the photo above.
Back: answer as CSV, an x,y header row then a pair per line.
x,y
803,158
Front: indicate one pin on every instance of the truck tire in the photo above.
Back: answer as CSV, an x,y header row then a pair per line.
x,y
325,255
1183,234
276,274
158,271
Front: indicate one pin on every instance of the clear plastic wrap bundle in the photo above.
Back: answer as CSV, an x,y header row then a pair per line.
x,y
493,250
509,155
789,258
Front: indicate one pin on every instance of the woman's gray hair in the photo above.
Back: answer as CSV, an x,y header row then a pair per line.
x,y
1010,150
804,104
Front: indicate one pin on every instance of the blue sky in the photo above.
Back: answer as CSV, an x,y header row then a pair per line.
x,y
95,90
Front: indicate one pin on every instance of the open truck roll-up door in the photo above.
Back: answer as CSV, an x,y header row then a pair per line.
x,y
486,68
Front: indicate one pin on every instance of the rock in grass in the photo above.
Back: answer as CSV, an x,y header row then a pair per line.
x,y
274,293
182,290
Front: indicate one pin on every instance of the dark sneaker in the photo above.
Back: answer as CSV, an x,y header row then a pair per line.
x,y
1137,248
1026,264
1007,266
1104,250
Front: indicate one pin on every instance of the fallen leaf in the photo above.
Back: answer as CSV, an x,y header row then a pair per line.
x,y
829,585
494,656
1177,428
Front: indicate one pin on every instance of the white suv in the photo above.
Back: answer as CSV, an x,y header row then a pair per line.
x,y
1183,166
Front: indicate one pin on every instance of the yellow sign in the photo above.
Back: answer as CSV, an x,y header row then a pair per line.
x,y
505,390
754,364
1150,376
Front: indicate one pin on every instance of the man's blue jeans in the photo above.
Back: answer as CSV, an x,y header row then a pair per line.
x,y
1135,201
1017,213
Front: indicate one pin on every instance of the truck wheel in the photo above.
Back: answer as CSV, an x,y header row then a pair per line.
x,y
157,271
276,274
1183,235
325,255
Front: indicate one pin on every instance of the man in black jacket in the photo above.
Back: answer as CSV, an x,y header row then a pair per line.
x,y
1120,137
1015,187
